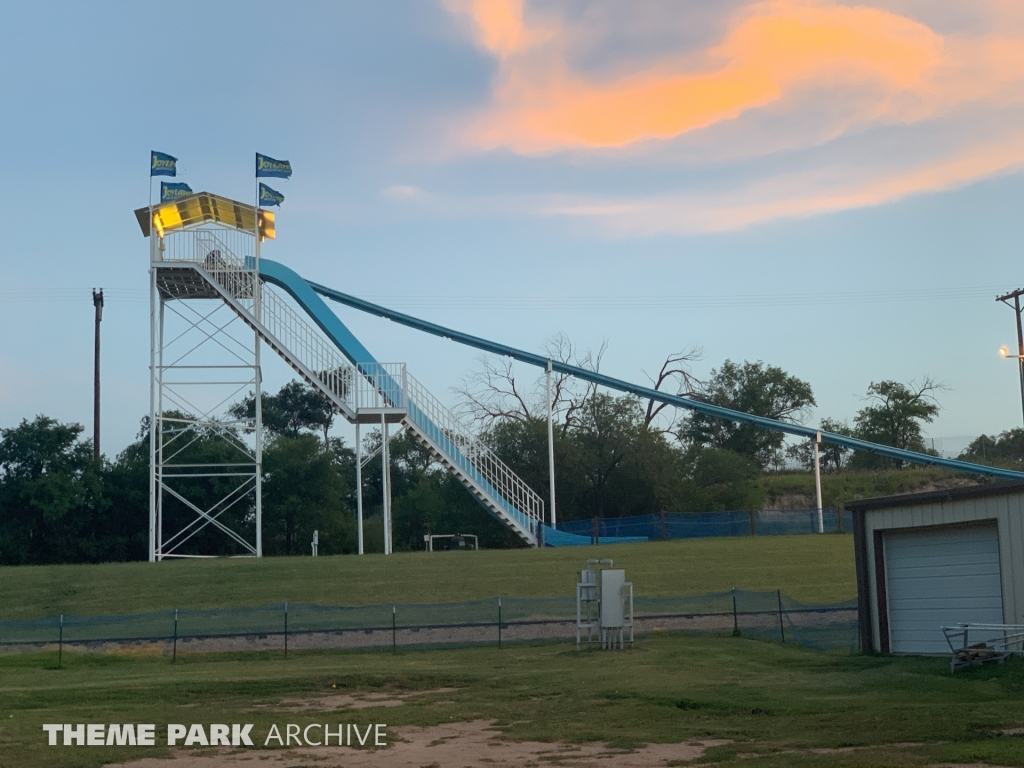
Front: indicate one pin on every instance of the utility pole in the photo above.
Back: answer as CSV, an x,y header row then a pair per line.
x,y
97,302
1015,295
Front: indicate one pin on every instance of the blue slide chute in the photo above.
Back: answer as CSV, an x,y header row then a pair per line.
x,y
300,290
647,393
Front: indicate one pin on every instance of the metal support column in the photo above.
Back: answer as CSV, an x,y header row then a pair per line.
x,y
258,394
359,488
153,315
551,448
385,471
817,482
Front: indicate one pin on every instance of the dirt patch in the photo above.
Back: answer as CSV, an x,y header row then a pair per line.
x,y
334,701
456,745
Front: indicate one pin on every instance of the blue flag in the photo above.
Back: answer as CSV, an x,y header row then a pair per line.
x,y
171,192
268,166
270,196
162,165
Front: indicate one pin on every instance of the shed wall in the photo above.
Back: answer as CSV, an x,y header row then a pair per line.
x,y
1008,512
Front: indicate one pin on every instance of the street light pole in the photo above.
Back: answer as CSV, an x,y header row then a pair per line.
x,y
1015,295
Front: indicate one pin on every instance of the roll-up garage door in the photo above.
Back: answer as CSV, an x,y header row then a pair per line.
x,y
939,577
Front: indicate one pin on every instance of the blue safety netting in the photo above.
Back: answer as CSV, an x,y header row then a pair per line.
x,y
693,525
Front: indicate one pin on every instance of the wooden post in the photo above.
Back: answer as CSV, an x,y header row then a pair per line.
x,y
753,522
782,627
664,532
597,531
839,514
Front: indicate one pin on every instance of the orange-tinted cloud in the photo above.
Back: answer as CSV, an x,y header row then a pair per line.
x,y
498,24
846,106
844,186
769,50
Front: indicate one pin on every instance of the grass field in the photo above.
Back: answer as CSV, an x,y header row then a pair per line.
x,y
774,705
812,569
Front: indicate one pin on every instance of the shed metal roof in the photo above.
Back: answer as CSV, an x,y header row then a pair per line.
x,y
936,497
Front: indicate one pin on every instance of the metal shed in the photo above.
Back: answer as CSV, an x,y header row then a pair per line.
x,y
941,558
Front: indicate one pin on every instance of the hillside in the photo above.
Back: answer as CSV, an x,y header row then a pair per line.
x,y
813,569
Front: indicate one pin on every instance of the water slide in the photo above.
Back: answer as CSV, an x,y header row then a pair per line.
x,y
504,495
342,367
456,460
678,401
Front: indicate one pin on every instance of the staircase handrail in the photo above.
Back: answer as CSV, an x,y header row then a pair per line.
x,y
508,485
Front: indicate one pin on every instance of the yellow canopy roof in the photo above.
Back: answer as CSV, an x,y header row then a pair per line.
x,y
200,208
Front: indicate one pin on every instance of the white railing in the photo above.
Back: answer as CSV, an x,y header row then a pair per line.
x,y
299,339
196,244
304,342
381,386
374,385
506,483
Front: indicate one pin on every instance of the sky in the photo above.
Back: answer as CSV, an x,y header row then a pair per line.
x,y
832,188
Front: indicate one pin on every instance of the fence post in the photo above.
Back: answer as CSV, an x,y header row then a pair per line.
x,y
394,630
664,532
60,642
174,656
782,627
597,532
735,616
839,515
286,629
499,623
753,523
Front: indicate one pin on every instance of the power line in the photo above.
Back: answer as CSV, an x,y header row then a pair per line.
x,y
562,302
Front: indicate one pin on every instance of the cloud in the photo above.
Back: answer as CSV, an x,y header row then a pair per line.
x,y
770,49
785,195
813,83
401,192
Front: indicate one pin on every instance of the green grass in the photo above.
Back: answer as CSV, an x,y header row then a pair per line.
x,y
774,703
853,484
812,569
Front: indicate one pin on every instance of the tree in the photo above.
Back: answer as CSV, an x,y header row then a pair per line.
x,y
756,388
1006,449
496,393
675,370
831,458
52,503
894,415
719,480
303,491
296,407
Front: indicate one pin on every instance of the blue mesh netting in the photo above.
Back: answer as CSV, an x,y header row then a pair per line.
x,y
692,525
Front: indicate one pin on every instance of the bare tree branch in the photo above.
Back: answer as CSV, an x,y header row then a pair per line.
x,y
674,371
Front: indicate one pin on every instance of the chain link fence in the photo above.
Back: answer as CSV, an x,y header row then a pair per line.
x,y
764,615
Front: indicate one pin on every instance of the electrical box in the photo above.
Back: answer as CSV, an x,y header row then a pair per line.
x,y
613,614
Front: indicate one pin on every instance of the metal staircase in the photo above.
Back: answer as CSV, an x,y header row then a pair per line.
x,y
203,264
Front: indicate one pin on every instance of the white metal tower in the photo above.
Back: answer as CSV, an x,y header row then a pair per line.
x,y
205,495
